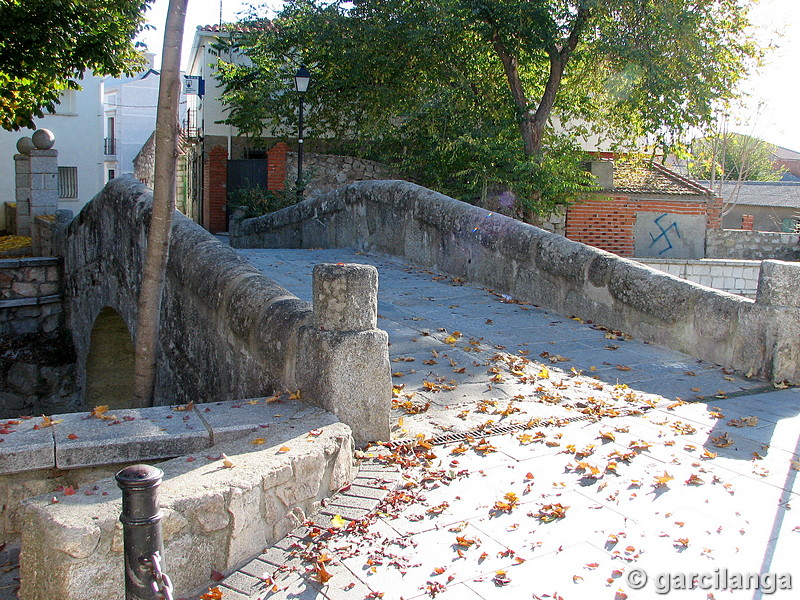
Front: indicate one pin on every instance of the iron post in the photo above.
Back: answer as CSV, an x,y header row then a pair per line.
x,y
141,524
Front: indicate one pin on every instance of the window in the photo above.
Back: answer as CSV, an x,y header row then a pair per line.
x,y
789,225
69,103
111,174
67,182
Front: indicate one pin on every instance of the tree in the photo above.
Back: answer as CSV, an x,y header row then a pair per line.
x,y
728,156
464,94
148,316
47,46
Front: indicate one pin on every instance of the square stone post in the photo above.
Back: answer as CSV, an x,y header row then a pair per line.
x,y
22,178
343,362
779,298
44,182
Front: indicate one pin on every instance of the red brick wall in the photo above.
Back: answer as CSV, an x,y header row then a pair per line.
x,y
214,189
276,166
747,222
607,222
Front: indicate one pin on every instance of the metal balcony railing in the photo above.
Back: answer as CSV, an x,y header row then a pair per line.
x,y
110,146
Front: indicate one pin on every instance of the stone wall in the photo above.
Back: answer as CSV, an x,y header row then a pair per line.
x,y
761,338
331,171
227,331
57,495
752,245
30,295
733,276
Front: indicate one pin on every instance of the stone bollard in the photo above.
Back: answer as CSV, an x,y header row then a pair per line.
x,y
778,297
343,362
779,284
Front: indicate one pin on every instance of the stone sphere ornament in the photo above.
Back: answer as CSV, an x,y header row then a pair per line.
x,y
43,139
25,145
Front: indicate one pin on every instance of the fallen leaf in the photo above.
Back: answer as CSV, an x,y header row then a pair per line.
x,y
338,521
258,441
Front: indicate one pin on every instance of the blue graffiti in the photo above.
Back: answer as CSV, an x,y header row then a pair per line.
x,y
664,233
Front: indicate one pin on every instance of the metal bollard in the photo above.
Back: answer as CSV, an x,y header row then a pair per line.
x,y
141,523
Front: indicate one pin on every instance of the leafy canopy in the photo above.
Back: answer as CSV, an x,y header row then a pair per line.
x,y
48,44
734,157
475,97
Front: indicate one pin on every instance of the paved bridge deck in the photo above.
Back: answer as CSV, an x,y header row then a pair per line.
x,y
591,484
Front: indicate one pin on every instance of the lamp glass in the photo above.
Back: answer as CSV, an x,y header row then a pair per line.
x,y
301,79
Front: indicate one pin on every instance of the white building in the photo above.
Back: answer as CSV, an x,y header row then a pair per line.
x,y
129,118
78,128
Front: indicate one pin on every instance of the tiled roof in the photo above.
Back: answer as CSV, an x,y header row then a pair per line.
x,y
764,193
645,177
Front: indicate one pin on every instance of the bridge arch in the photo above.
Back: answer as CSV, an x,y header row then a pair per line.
x,y
109,362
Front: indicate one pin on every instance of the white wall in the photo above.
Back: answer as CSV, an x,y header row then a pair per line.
x,y
78,128
133,103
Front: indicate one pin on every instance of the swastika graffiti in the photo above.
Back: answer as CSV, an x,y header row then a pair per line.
x,y
664,235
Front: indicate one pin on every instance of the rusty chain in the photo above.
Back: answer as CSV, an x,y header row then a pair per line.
x,y
161,583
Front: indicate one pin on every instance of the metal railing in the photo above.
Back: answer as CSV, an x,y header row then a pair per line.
x,y
110,146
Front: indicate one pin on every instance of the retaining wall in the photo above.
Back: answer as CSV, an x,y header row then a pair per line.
x,y
227,331
761,338
30,295
237,488
752,245
734,276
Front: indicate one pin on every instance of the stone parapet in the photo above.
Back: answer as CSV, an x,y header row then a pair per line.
x,y
227,331
222,506
528,263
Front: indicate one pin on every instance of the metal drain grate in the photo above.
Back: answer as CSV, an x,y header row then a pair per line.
x,y
460,436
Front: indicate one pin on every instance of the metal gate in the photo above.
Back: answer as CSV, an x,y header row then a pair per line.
x,y
247,174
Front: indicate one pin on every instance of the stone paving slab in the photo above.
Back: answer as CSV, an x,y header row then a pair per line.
x,y
25,445
668,493
138,434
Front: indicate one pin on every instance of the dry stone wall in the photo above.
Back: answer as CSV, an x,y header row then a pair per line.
x,y
742,244
761,338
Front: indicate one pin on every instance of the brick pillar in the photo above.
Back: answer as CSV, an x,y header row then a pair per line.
x,y
276,166
747,222
714,213
215,189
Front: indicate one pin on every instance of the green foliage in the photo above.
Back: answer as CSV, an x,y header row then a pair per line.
x,y
48,44
734,157
256,201
459,93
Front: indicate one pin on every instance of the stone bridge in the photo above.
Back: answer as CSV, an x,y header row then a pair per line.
x,y
227,331
759,338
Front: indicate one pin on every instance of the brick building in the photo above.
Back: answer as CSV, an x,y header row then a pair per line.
x,y
645,210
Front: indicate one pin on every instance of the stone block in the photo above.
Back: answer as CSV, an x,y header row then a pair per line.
x,y
345,297
234,419
26,446
348,374
216,517
133,434
779,283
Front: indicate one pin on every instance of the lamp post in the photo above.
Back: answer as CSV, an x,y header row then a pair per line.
x,y
301,80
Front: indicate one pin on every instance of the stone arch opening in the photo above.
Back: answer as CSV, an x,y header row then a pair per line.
x,y
109,364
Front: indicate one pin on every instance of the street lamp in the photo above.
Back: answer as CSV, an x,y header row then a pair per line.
x,y
301,80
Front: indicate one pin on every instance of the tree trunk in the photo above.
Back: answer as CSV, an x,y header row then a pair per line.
x,y
532,123
158,237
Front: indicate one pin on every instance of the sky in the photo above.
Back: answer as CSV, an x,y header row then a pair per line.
x,y
770,112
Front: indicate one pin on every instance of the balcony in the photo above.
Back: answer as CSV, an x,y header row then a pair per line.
x,y
110,146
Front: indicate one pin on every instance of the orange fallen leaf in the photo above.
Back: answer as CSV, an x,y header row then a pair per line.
x,y
321,574
72,436
258,441
283,449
